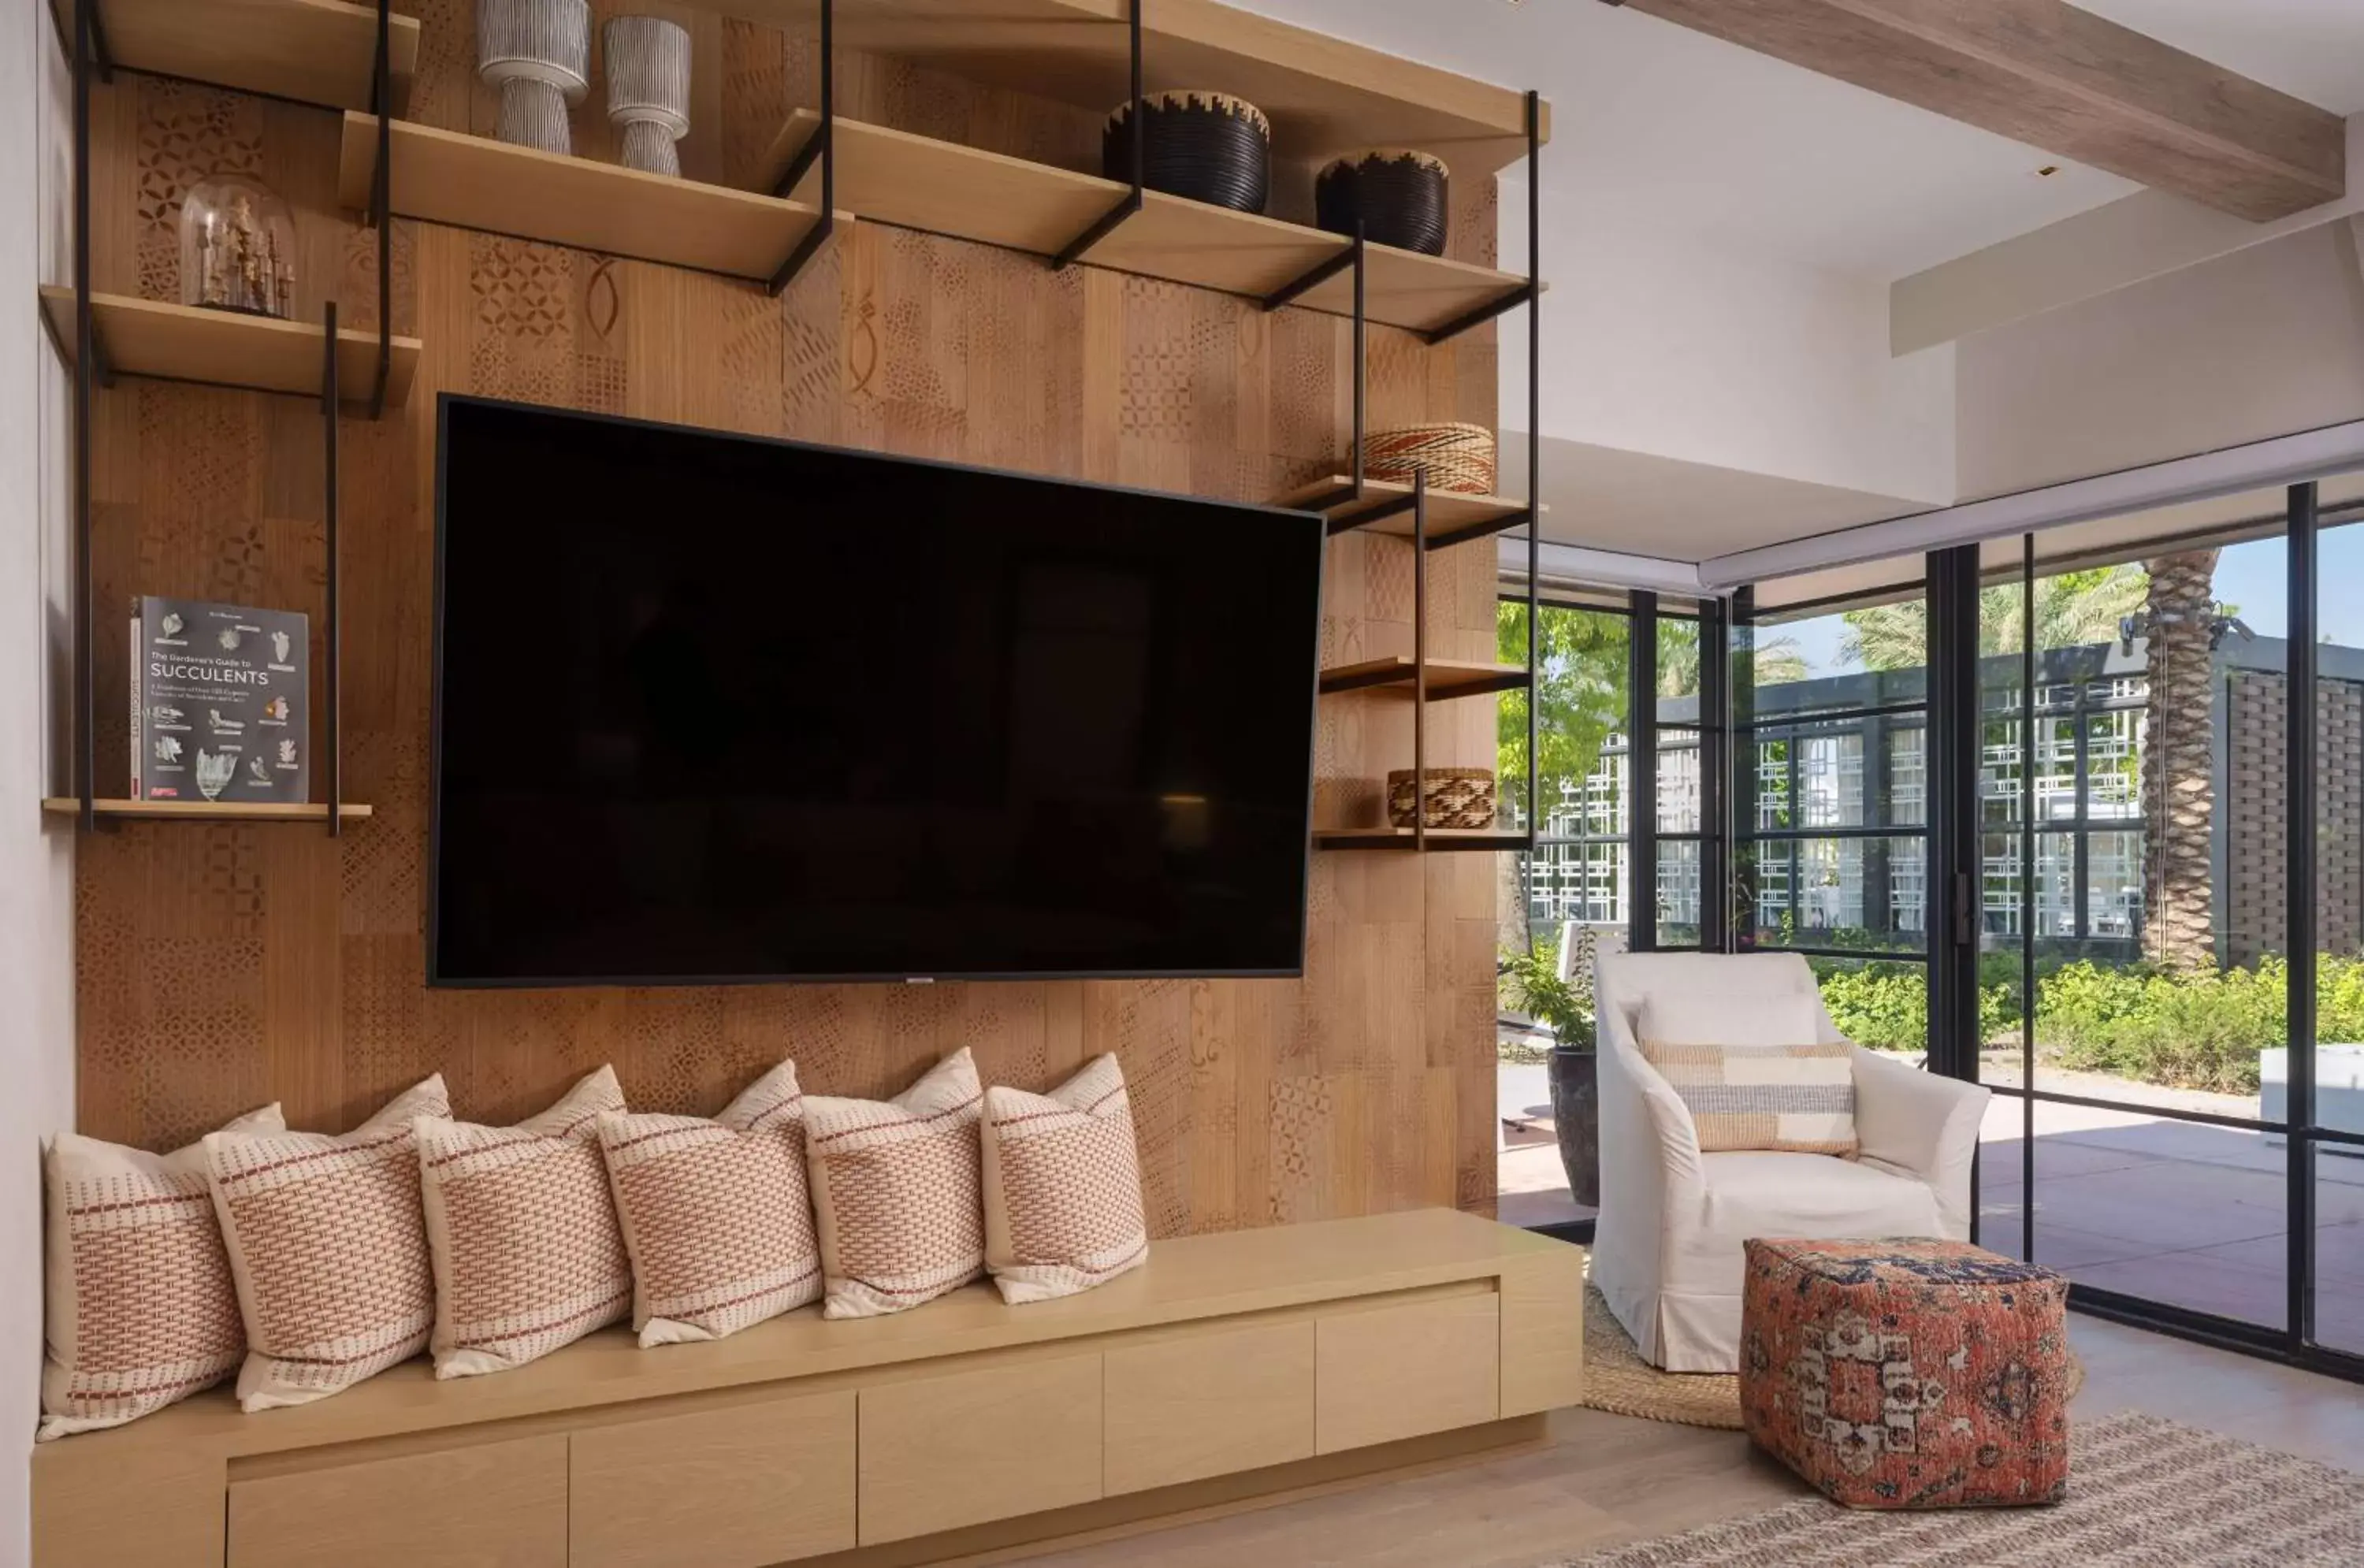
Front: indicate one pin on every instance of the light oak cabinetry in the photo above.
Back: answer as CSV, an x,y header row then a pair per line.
x,y
1232,1366
486,1505
1210,1402
738,1487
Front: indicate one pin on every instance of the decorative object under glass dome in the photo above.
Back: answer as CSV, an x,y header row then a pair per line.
x,y
237,249
538,52
648,90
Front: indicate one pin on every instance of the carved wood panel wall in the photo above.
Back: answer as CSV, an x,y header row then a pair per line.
x,y
224,966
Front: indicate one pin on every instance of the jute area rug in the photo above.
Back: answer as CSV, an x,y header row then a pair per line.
x,y
1616,1379
2143,1493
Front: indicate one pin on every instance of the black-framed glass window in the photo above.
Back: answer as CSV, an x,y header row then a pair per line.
x,y
1830,781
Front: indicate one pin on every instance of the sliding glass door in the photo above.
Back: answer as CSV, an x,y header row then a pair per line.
x,y
2169,886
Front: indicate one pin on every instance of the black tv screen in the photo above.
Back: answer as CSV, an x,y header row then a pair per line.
x,y
715,709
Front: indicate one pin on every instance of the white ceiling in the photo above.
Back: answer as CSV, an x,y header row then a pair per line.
x,y
1663,129
2309,49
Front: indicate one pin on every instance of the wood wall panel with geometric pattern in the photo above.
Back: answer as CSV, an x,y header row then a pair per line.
x,y
220,966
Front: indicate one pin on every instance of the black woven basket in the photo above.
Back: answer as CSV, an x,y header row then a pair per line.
x,y
1401,199
1209,147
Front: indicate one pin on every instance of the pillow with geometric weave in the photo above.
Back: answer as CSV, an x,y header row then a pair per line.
x,y
141,1310
521,1231
1755,1089
1061,1187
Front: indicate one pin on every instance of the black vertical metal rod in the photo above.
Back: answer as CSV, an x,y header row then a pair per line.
x,y
1419,641
1362,388
330,732
1642,775
824,142
2298,850
1535,451
1110,220
85,349
2027,985
381,217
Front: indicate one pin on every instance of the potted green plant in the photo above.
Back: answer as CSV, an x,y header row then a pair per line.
x,y
1531,983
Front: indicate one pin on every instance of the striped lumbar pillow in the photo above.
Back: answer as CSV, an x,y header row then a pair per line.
x,y
1061,1187
714,1213
521,1232
1795,1099
897,1189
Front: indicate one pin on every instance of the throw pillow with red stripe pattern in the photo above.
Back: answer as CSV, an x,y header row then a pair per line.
x,y
141,1310
523,1232
1063,1207
329,1248
896,1191
714,1213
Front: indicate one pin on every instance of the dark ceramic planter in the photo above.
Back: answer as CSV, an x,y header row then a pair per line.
x,y
1576,1113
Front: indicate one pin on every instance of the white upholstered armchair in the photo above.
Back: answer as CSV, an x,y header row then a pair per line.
x,y
1666,1253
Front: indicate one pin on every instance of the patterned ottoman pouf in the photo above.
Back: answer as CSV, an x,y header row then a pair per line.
x,y
1907,1373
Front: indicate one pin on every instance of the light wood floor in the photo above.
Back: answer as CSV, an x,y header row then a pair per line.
x,y
1605,1479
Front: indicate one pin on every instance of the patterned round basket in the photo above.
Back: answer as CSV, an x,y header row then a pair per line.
x,y
1457,457
1208,146
1398,196
1455,797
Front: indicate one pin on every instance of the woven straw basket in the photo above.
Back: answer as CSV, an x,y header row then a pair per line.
x,y
1457,457
1453,797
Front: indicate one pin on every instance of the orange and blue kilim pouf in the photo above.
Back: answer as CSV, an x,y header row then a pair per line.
x,y
1907,1373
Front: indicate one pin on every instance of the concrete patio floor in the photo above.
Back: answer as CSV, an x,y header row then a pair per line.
x,y
2125,1200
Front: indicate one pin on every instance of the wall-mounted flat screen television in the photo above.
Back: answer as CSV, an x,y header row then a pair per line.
x,y
716,708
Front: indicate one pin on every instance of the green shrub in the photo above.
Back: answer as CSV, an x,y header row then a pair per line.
x,y
1883,1004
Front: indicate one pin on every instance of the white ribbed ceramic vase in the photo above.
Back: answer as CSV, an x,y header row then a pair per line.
x,y
648,90
538,52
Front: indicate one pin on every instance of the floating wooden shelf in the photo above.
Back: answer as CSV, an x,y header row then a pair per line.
x,y
474,182
1325,96
206,810
1448,678
1402,838
916,182
315,52
224,348
1454,517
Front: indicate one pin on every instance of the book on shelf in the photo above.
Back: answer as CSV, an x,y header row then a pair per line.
x,y
220,703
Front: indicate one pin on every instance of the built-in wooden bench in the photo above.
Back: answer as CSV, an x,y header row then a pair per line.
x,y
1230,1367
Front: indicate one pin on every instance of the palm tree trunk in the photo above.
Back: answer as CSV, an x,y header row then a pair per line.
x,y
2179,775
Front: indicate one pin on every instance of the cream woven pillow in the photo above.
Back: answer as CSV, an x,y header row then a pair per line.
x,y
714,1213
329,1248
1747,1069
1061,1187
523,1232
896,1187
142,1309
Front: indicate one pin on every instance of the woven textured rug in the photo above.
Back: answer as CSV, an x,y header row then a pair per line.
x,y
2143,1493
1616,1379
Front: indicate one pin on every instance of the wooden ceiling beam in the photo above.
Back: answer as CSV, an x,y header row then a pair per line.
x,y
2044,72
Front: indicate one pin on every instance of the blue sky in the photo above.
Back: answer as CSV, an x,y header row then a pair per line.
x,y
2252,577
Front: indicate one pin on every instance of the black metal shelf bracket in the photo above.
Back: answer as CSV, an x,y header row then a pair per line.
x,y
1534,514
329,729
86,766
1524,295
1109,222
821,147
1330,267
1419,640
102,58
382,222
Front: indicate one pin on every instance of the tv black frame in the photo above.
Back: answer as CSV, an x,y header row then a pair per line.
x,y
436,980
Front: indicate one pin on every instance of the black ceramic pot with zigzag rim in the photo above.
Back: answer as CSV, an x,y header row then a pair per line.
x,y
1207,146
1400,197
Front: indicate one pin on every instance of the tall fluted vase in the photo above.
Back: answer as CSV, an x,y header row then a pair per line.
x,y
648,90
538,52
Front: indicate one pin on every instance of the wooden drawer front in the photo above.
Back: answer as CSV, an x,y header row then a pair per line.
x,y
730,1488
1208,1404
940,1452
498,1505
1398,1372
